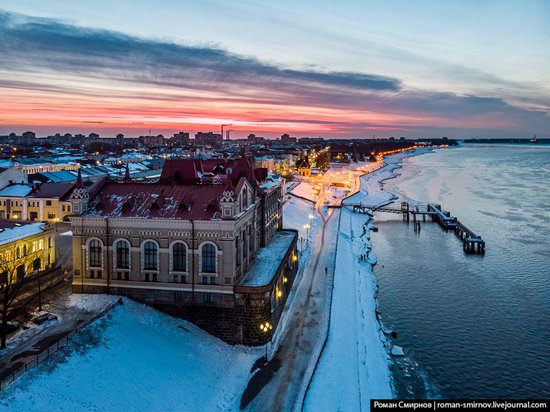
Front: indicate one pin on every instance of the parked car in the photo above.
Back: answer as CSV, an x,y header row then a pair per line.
x,y
39,320
11,326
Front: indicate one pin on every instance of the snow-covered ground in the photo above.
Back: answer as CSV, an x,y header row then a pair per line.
x,y
75,303
137,359
304,190
355,365
372,185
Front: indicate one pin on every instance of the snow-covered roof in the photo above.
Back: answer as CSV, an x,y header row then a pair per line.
x,y
268,184
15,232
16,190
269,259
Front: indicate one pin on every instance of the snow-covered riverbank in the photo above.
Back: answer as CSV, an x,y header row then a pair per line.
x,y
355,363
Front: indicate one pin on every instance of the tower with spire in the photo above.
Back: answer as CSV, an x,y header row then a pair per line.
x,y
127,178
227,201
80,196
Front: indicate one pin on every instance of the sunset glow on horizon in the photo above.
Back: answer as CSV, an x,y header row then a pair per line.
x,y
72,75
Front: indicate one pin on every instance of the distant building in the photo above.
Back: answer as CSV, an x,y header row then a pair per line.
x,y
303,167
27,138
266,163
287,140
208,139
181,138
204,243
31,165
152,140
253,139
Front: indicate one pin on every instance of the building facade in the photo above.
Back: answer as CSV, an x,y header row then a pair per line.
x,y
28,258
36,165
46,202
204,243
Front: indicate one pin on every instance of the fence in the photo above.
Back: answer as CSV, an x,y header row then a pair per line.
x,y
50,351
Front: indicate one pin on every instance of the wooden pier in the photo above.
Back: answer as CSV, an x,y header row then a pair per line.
x,y
471,243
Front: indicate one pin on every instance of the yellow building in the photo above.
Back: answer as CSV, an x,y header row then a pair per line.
x,y
27,247
303,167
47,202
27,266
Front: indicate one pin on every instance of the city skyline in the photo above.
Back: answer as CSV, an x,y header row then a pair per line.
x,y
269,70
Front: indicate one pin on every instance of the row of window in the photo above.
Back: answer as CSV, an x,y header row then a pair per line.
x,y
150,256
152,277
29,203
24,250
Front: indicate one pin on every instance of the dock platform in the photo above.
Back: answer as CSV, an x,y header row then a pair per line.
x,y
471,242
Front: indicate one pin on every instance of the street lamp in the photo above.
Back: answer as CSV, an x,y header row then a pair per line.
x,y
266,328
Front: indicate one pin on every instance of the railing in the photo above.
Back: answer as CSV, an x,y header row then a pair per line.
x,y
51,350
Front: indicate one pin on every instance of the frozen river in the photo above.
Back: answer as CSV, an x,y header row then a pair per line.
x,y
471,326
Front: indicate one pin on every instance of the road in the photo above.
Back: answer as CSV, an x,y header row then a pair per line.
x,y
308,325
307,329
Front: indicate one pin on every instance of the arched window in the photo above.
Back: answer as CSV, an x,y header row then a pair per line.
x,y
179,252
122,255
208,253
150,256
94,253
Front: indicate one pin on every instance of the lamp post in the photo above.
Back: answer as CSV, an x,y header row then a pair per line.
x,y
306,227
266,328
39,291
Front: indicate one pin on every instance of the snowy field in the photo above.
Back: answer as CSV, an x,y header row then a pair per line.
x,y
136,359
355,363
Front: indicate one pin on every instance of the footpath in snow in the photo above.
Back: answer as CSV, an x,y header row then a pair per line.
x,y
355,364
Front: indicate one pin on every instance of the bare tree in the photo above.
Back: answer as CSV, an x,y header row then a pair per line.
x,y
20,265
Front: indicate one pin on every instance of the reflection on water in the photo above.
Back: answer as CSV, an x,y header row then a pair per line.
x,y
476,326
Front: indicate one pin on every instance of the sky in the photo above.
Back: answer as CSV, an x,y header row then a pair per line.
x,y
309,68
